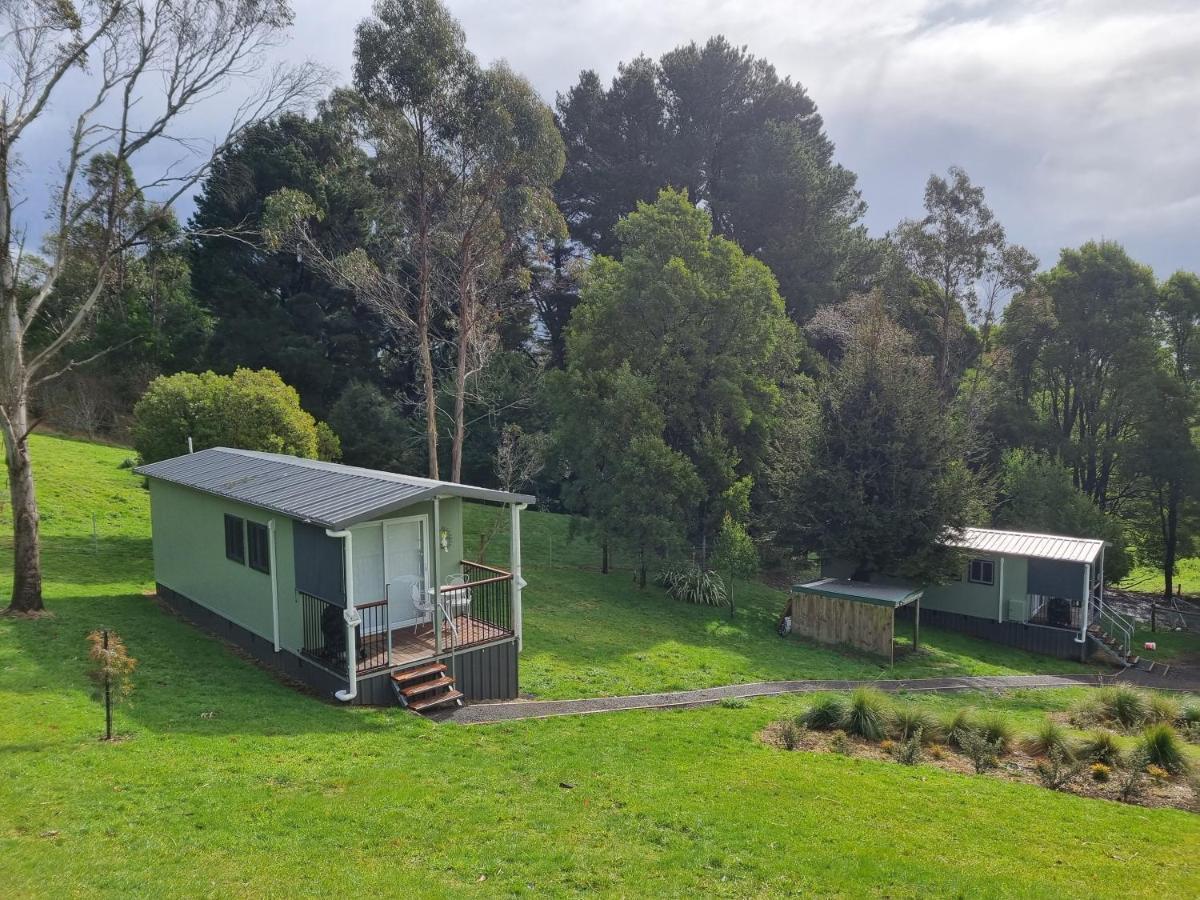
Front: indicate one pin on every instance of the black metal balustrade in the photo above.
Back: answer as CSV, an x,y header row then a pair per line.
x,y
324,634
479,605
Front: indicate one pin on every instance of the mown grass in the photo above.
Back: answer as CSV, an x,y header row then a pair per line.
x,y
1149,579
228,783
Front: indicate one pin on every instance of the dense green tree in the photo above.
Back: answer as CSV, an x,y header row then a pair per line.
x,y
250,410
1035,493
702,324
734,554
960,252
271,309
749,145
374,434
880,483
1083,355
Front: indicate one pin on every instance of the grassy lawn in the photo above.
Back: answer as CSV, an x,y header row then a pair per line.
x,y
1149,579
229,783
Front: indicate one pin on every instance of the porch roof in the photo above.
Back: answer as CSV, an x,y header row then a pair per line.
x,y
1021,543
861,591
321,493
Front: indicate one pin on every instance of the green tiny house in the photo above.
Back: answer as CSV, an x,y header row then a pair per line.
x,y
348,579
1039,592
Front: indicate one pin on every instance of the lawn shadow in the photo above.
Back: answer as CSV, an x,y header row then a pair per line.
x,y
82,560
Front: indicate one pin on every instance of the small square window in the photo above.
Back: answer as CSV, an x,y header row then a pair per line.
x,y
258,544
981,571
235,539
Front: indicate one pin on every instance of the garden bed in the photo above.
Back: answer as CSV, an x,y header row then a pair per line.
x,y
1016,765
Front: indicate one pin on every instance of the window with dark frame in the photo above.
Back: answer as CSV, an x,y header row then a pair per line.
x,y
981,571
235,539
257,538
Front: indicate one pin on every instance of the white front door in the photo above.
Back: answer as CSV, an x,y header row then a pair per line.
x,y
405,571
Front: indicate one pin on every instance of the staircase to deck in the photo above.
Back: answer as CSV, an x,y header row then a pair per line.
x,y
425,687
1112,633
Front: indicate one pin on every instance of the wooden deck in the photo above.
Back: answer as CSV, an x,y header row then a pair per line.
x,y
411,645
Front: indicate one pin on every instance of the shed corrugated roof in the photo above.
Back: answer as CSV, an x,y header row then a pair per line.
x,y
323,493
1037,546
861,591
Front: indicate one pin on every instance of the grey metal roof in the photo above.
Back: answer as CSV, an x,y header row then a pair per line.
x,y
1020,543
323,493
861,591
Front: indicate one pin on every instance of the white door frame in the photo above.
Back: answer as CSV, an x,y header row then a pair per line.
x,y
423,521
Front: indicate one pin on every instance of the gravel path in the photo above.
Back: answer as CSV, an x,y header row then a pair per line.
x,y
487,713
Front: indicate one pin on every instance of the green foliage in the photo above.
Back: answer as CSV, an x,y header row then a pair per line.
x,y
1100,746
1162,747
1059,768
908,751
1133,779
883,480
1101,772
907,720
373,433
248,410
1124,706
789,733
984,752
867,714
996,729
1050,739
826,712
711,344
692,584
747,143
957,723
1163,708
1036,494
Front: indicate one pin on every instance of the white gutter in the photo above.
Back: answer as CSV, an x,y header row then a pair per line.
x,y
518,583
1000,605
351,615
274,581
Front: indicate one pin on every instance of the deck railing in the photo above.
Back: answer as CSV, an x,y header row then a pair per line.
x,y
324,634
480,604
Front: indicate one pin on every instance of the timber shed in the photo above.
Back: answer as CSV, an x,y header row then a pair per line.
x,y
857,614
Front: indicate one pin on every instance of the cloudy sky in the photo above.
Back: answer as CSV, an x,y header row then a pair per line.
x,y
1081,118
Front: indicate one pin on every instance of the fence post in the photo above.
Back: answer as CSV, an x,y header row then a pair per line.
x,y
107,688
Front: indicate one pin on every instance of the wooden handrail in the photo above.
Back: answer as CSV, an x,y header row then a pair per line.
x,y
486,568
370,605
448,588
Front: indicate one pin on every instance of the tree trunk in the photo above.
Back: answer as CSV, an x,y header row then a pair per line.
x,y
466,303
1171,540
604,558
27,561
425,353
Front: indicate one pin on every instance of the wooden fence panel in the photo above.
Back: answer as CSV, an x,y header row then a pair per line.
x,y
864,626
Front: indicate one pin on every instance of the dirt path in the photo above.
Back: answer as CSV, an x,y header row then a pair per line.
x,y
488,713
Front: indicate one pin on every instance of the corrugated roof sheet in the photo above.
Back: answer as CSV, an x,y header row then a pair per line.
x,y
861,591
327,494
1020,543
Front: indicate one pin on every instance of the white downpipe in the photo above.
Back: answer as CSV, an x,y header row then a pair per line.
x,y
1087,603
1100,608
514,550
435,589
274,581
350,614
1000,605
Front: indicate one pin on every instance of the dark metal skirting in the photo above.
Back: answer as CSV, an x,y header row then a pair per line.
x,y
1057,642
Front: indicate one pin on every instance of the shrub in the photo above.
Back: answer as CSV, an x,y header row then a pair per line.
x,y
1087,712
839,743
1162,708
692,584
937,751
734,702
887,745
1190,715
790,735
1158,773
867,714
909,752
983,752
1162,747
908,720
1050,736
1100,772
1134,780
957,723
825,713
1124,706
1100,747
997,729
1058,770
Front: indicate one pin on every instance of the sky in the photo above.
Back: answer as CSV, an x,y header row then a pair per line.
x,y
1080,118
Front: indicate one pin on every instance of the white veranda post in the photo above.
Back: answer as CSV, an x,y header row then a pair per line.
x,y
518,582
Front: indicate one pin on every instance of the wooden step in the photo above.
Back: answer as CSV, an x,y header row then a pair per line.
x,y
425,687
430,702
419,672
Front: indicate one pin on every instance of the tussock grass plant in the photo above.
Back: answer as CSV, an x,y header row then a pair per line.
x,y
1162,747
867,714
826,712
1049,738
1100,746
908,719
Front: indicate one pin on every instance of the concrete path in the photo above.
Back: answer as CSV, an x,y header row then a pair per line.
x,y
486,713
